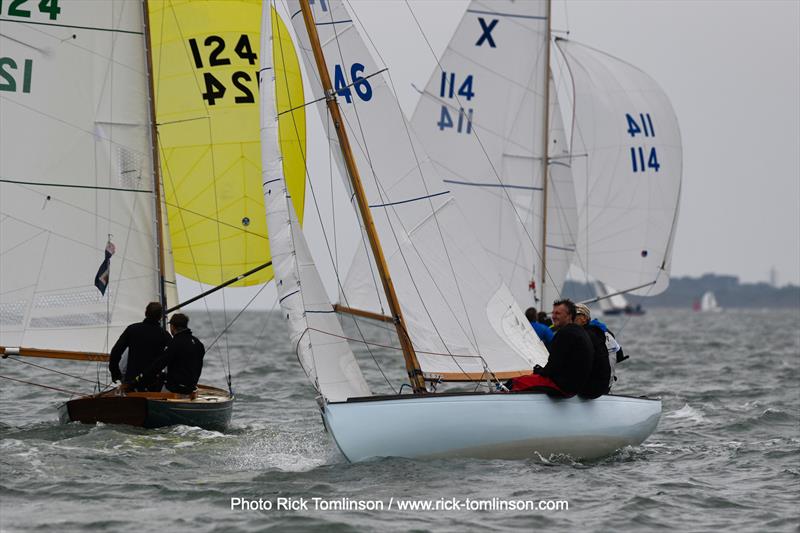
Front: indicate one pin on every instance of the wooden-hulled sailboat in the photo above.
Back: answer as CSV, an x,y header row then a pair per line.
x,y
455,319
80,171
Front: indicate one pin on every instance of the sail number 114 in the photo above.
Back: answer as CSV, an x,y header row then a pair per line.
x,y
642,158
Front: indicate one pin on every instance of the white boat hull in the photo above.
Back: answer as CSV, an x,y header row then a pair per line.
x,y
494,426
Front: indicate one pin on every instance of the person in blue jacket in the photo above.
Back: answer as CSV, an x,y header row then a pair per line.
x,y
544,333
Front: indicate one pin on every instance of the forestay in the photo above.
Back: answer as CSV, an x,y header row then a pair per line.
x,y
314,328
462,320
76,166
482,120
627,170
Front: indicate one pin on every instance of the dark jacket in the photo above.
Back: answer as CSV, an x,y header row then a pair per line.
x,y
600,376
570,361
145,341
183,359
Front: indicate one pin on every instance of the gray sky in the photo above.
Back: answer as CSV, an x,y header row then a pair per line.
x,y
732,71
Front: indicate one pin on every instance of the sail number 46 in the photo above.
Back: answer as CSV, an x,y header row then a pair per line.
x,y
642,159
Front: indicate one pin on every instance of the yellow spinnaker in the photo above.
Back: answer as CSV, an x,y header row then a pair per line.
x,y
205,72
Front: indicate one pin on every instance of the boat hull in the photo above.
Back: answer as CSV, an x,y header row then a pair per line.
x,y
495,426
209,408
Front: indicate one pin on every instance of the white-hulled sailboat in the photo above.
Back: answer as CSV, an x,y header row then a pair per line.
x,y
454,317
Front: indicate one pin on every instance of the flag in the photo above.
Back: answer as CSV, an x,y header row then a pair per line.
x,y
101,279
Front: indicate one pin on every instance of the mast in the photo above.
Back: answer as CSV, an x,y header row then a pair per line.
x,y
545,150
412,364
162,297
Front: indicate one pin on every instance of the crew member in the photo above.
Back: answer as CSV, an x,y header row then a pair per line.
x,y
183,358
145,341
570,362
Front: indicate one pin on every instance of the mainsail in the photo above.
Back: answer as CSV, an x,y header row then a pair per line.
x,y
75,172
205,63
482,118
314,329
461,318
626,162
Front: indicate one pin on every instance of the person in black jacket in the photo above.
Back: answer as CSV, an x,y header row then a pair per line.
x,y
183,358
145,341
571,351
600,377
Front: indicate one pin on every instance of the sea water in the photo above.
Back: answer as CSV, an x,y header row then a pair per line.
x,y
725,455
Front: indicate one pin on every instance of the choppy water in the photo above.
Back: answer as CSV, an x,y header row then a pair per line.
x,y
726,454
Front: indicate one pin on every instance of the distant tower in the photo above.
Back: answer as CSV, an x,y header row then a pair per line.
x,y
773,277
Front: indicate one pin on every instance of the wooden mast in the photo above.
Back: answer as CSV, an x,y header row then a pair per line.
x,y
162,295
412,364
545,153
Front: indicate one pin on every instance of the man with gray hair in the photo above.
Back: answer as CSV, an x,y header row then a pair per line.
x,y
600,376
570,361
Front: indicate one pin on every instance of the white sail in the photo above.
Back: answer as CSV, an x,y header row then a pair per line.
x,y
481,120
613,304
709,302
463,321
626,162
75,167
562,211
314,328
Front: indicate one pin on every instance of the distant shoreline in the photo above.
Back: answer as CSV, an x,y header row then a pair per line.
x,y
683,291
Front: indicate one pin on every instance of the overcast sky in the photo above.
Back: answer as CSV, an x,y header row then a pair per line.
x,y
732,71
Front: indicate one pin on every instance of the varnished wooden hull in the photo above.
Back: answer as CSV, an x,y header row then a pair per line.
x,y
209,408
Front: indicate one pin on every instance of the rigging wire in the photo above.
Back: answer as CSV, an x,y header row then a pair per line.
x,y
65,391
51,370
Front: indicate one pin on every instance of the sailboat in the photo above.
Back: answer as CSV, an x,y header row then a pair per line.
x,y
81,184
454,318
708,303
613,302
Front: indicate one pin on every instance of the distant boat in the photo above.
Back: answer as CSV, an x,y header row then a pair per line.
x,y
708,303
616,304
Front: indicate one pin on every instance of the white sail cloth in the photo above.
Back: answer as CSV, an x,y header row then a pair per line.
x,y
481,119
76,166
462,320
314,328
627,168
617,302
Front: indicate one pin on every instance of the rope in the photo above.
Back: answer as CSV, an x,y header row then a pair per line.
x,y
51,370
65,391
